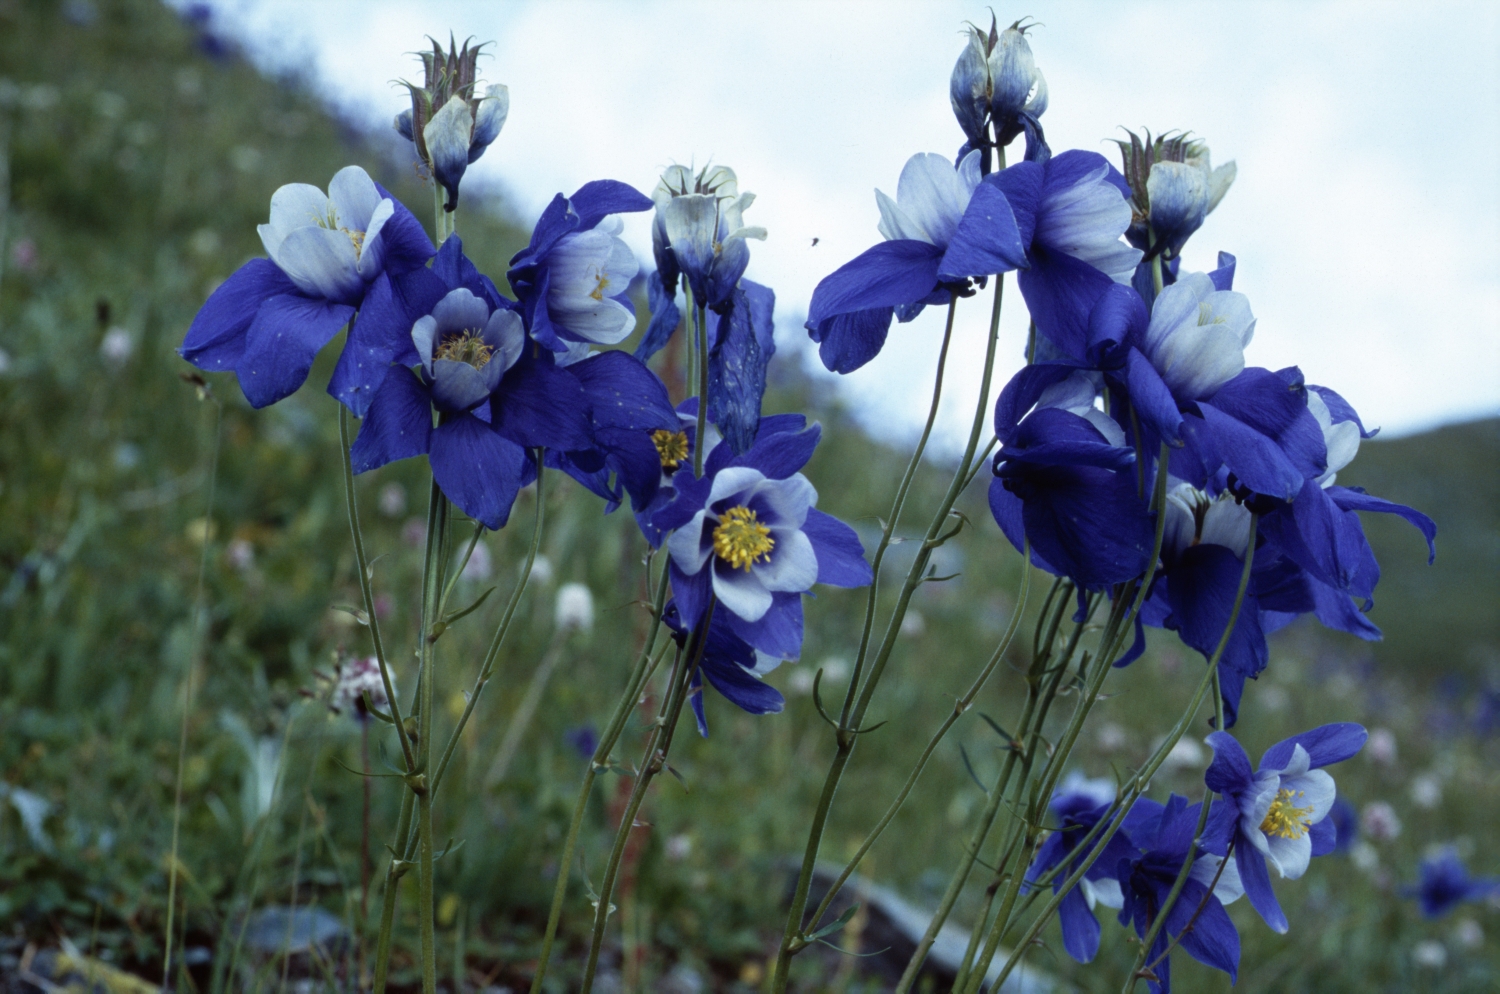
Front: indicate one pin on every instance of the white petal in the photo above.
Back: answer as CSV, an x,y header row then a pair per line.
x,y
372,248
493,110
1086,220
321,261
1299,764
459,311
1229,888
296,205
1342,440
793,567
932,196
1106,892
894,224
1176,305
689,551
505,332
424,336
1227,523
588,268
353,195
734,482
1314,789
1198,359
1219,182
741,592
1228,307
787,500
1289,856
1107,426
765,663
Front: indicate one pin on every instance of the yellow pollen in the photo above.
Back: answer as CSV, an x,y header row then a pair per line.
x,y
465,347
672,446
741,540
603,283
357,237
1284,820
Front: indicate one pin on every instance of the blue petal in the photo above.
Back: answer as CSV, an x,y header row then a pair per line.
x,y
477,469
1022,185
1325,745
594,201
779,631
1213,940
1257,882
1223,277
1230,772
1060,292
665,317
841,555
1357,500
1117,319
737,366
1275,405
1256,460
1023,391
624,393
216,339
1337,610
742,689
1080,929
539,404
405,241
780,454
894,272
1006,508
987,240
1341,410
382,335
397,425
848,341
282,342
1324,836
692,593
1151,398
1201,588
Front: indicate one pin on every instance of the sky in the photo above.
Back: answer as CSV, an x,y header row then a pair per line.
x,y
1365,216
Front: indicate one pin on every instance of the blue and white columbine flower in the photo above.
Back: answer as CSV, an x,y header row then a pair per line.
x,y
572,280
699,232
732,666
328,252
944,228
1197,336
1277,814
747,538
450,124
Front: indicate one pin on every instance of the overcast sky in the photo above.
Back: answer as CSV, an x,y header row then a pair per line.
x,y
1366,217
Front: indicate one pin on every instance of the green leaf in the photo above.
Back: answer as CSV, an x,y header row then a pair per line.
x,y
836,924
468,610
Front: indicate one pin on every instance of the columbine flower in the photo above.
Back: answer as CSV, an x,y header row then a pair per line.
x,y
732,667
494,401
699,232
1078,805
748,538
944,228
1197,336
448,122
1065,480
1164,835
1445,883
573,277
328,253
1173,188
996,81
1278,813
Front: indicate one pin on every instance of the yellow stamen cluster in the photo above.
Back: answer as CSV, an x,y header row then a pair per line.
x,y
672,446
602,284
466,347
741,540
1285,820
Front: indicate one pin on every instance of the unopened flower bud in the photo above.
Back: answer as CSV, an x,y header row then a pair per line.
x,y
450,123
996,82
699,232
1173,188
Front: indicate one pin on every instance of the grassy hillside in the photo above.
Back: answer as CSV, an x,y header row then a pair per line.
x,y
142,154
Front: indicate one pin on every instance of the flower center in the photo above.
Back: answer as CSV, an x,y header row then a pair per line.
x,y
331,222
672,446
741,540
602,283
466,347
1285,820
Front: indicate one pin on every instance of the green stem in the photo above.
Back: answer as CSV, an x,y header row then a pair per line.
x,y
960,706
849,729
644,667
393,874
652,762
421,781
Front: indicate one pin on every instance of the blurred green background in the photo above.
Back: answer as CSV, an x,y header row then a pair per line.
x,y
141,153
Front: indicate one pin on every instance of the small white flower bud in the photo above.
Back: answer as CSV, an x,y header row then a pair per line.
x,y
574,608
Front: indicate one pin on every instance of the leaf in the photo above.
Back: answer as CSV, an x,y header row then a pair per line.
x,y
468,610
680,779
970,767
836,924
358,613
1009,738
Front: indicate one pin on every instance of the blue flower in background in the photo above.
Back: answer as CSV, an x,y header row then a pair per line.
x,y
731,665
1444,883
1078,805
328,253
1278,814
1164,836
943,229
487,419
572,280
1065,480
747,535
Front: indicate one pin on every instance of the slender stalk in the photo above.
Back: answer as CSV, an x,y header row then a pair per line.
x,y
960,706
420,781
652,762
393,874
198,611
850,728
700,325
644,667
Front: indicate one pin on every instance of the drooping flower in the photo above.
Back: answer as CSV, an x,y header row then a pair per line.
x,y
572,279
1078,805
330,254
1164,835
996,81
1444,883
1173,188
1278,813
1065,481
732,666
450,124
747,538
699,232
494,400
944,228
